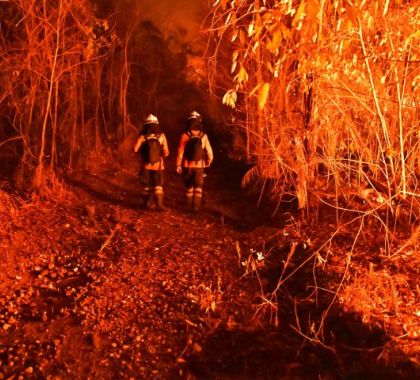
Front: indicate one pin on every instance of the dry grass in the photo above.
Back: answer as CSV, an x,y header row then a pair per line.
x,y
389,300
325,100
384,296
321,113
8,205
53,56
9,217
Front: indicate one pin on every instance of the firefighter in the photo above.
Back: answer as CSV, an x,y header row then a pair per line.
x,y
194,155
153,148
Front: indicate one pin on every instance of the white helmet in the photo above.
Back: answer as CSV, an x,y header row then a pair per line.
x,y
194,115
151,119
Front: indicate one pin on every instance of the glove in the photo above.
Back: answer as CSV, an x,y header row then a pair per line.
x,y
179,169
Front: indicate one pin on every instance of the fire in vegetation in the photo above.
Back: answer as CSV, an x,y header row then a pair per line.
x,y
294,253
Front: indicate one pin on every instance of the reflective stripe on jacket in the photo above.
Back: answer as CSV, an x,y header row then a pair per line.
x,y
165,152
180,160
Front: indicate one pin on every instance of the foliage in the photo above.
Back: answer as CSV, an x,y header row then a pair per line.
x,y
72,83
326,92
51,71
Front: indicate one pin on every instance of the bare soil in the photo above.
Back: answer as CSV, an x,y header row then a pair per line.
x,y
95,287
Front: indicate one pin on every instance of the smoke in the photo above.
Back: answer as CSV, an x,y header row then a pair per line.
x,y
166,51
172,17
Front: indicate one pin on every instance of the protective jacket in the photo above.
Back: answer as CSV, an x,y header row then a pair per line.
x,y
165,152
207,149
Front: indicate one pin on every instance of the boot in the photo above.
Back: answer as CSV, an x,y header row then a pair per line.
x,y
189,199
196,202
147,201
159,202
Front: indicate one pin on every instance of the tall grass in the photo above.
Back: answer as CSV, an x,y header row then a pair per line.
x,y
324,99
326,94
52,68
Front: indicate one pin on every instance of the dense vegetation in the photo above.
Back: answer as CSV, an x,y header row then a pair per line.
x,y
326,93
319,99
77,79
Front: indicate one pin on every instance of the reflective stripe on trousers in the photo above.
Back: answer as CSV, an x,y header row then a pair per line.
x,y
189,192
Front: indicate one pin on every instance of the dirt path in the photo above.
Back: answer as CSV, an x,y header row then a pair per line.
x,y
99,288
95,287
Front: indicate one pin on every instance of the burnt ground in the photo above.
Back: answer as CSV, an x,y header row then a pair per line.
x,y
94,287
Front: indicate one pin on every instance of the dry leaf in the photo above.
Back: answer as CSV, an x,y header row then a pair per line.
x,y
197,347
242,76
230,98
263,95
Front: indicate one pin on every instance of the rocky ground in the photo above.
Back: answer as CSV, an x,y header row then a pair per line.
x,y
94,287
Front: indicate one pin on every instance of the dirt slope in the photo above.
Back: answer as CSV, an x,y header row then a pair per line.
x,y
93,286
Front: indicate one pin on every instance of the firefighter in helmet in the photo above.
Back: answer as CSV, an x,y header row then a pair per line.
x,y
153,148
194,155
